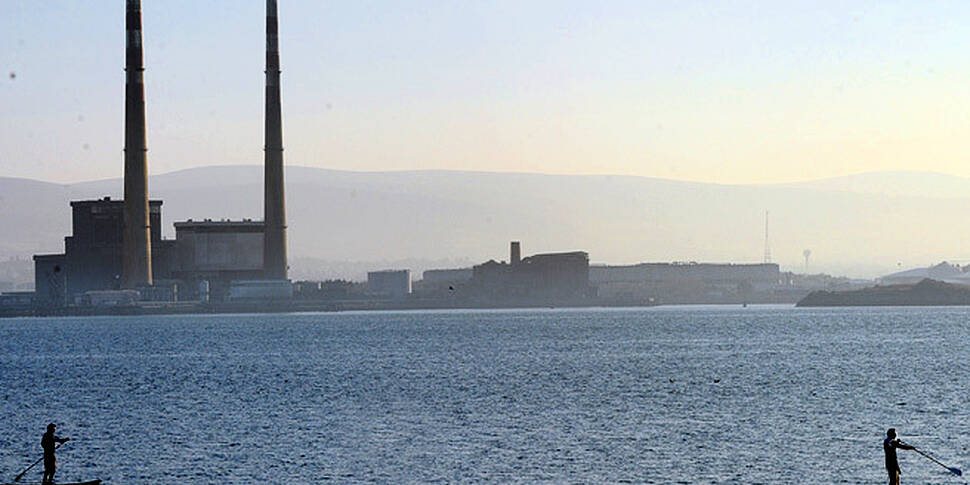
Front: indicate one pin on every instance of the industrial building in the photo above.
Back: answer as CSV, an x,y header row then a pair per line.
x,y
687,282
92,258
117,245
204,254
442,283
552,278
446,276
210,255
394,283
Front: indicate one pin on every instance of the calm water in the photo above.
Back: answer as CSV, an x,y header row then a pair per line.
x,y
662,395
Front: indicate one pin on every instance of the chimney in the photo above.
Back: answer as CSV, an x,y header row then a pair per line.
x,y
516,255
274,212
137,250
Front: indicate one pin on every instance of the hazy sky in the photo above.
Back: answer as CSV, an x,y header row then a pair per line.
x,y
734,92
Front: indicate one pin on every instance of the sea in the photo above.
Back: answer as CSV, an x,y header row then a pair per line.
x,y
666,395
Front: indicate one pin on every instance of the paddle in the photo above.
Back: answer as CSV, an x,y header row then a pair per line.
x,y
18,477
953,470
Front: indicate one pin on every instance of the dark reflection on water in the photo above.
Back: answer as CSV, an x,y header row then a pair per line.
x,y
663,395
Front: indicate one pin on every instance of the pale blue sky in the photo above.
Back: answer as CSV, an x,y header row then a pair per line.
x,y
714,91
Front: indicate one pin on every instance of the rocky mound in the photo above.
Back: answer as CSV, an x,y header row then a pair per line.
x,y
925,293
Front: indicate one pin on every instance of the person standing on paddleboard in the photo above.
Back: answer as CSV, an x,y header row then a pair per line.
x,y
47,442
889,445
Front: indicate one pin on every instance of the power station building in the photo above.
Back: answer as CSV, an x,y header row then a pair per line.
x,y
92,257
117,245
213,254
207,253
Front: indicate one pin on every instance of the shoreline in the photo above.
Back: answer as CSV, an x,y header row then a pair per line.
x,y
275,307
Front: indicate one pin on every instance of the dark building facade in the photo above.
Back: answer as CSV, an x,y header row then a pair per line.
x,y
209,254
553,278
93,253
216,253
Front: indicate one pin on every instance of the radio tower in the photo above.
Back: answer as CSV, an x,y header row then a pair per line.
x,y
767,247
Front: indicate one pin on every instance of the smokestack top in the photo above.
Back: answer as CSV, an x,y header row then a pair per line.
x,y
134,61
272,45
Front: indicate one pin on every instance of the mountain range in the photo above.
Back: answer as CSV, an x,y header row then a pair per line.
x,y
861,225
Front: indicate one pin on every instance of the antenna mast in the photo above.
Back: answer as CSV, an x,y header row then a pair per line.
x,y
767,248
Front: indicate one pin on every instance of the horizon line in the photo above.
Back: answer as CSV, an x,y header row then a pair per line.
x,y
505,172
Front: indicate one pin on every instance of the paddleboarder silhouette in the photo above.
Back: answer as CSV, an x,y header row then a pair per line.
x,y
48,443
889,445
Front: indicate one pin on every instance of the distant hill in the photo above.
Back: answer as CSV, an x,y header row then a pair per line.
x,y
850,226
897,183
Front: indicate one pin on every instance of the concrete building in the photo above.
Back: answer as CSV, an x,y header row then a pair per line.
x,y
16,299
50,280
446,276
93,253
442,283
202,261
395,283
553,278
217,252
685,282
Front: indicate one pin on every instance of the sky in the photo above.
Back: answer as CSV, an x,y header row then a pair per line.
x,y
729,92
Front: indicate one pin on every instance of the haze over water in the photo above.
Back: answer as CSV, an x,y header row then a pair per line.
x,y
663,395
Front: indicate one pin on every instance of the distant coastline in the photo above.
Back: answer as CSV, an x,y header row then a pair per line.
x,y
927,292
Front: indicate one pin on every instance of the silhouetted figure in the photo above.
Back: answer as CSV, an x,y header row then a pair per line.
x,y
889,445
48,443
